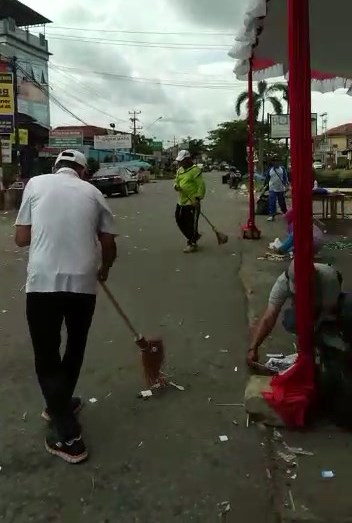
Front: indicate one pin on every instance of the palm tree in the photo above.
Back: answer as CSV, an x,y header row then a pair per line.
x,y
283,89
264,95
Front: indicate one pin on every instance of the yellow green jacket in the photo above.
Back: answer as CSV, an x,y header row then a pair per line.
x,y
191,185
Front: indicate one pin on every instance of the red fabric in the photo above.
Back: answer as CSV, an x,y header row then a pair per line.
x,y
293,391
261,64
251,120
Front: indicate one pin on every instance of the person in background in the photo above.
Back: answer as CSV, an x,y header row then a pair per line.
x,y
277,179
61,219
190,185
318,235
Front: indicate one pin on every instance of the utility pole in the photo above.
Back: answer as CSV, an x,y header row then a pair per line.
x,y
13,65
135,127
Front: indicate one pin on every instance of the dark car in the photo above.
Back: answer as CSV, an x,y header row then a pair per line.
x,y
115,180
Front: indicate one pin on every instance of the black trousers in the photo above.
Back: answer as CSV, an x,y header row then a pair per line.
x,y
58,375
187,218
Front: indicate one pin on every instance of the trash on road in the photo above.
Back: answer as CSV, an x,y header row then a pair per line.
x,y
281,364
301,452
224,507
178,387
93,400
207,337
108,395
178,270
277,356
4,311
145,394
235,369
327,474
24,416
235,422
140,445
289,457
223,438
224,351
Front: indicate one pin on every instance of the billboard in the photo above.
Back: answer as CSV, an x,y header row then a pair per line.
x,y
113,142
6,150
65,139
7,103
280,125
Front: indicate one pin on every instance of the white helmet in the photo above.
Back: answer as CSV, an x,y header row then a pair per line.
x,y
70,155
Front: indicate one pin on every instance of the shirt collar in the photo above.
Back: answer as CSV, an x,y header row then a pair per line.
x,y
67,170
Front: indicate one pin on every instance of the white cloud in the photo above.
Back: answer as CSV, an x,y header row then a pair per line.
x,y
189,108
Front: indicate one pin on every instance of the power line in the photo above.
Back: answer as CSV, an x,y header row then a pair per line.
x,y
85,29
153,81
122,43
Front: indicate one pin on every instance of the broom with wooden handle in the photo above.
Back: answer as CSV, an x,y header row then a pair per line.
x,y
220,236
152,350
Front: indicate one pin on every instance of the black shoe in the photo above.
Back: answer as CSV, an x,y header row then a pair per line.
x,y
76,406
73,451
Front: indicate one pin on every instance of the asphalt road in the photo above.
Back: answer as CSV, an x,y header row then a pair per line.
x,y
155,461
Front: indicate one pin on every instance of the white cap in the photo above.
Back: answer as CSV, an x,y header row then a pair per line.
x,y
182,155
70,155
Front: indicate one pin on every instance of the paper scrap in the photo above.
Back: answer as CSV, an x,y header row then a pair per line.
x,y
235,369
4,311
146,393
223,438
224,351
206,337
93,400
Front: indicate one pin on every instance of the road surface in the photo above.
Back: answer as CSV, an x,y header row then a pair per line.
x,y
155,461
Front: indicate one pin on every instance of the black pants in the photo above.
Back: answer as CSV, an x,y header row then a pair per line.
x,y
187,218
58,376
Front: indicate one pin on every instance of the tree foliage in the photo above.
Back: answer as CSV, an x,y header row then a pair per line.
x,y
142,145
264,95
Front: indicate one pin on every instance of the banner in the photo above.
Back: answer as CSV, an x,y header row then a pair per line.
x,y
65,139
280,125
7,104
113,142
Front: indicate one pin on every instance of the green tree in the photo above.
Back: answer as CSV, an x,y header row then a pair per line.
x,y
264,95
196,147
142,145
228,142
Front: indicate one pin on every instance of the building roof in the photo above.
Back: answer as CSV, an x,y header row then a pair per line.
x,y
88,131
22,14
341,130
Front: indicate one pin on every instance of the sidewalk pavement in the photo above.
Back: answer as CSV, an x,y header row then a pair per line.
x,y
301,494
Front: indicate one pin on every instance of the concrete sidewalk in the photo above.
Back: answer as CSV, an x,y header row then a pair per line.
x,y
307,497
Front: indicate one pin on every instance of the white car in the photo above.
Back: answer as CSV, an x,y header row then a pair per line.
x,y
317,165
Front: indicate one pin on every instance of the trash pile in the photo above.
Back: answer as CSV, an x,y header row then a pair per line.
x,y
280,363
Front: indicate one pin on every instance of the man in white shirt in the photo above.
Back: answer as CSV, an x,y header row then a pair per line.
x,y
62,218
278,183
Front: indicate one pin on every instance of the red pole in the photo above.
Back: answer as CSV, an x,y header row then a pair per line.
x,y
302,172
250,231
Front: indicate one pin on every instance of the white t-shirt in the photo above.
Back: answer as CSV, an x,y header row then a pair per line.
x,y
66,214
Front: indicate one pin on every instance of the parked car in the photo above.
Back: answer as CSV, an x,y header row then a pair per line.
x,y
115,180
317,165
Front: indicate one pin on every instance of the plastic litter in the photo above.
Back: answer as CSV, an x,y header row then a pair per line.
x,y
327,474
301,452
93,400
224,507
276,244
281,364
207,337
178,387
223,438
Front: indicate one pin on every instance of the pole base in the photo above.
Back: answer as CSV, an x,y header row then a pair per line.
x,y
250,232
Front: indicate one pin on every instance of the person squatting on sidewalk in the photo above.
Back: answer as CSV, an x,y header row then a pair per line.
x,y
62,218
278,182
191,188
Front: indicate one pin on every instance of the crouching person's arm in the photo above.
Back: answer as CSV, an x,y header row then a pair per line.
x,y
278,296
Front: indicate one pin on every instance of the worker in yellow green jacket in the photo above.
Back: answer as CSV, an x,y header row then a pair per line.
x,y
190,186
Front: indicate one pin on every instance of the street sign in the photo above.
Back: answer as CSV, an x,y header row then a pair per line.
x,y
65,139
6,150
113,142
6,124
280,125
7,105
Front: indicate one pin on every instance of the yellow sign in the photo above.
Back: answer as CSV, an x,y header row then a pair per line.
x,y
7,105
23,135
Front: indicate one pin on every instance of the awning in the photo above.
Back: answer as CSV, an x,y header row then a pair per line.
x,y
329,52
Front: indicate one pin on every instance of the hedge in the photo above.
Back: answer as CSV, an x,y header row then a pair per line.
x,y
333,178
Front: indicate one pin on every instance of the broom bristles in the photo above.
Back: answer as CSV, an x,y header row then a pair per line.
x,y
221,237
153,354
